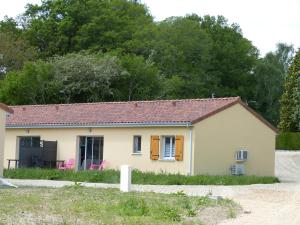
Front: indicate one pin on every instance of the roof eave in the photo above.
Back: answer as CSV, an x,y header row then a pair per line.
x,y
101,125
6,108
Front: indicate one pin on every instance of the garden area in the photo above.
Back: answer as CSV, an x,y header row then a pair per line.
x,y
138,177
78,205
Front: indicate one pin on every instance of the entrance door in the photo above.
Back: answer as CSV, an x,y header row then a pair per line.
x,y
90,151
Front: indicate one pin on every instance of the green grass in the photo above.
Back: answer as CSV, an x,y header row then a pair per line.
x,y
78,205
138,177
288,141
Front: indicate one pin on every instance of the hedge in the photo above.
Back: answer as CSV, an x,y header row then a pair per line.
x,y
288,141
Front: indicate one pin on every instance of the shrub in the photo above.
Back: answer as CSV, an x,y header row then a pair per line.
x,y
288,141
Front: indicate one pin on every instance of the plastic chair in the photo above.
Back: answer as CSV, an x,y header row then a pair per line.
x,y
68,166
95,166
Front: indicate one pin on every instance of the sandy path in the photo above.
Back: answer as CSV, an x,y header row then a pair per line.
x,y
270,205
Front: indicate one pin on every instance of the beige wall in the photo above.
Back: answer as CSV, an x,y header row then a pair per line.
x,y
217,139
118,145
2,131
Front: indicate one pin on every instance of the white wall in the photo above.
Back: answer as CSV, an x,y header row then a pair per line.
x,y
287,166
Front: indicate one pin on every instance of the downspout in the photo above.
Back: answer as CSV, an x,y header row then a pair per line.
x,y
191,152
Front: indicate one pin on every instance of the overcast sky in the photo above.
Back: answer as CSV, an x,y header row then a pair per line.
x,y
264,22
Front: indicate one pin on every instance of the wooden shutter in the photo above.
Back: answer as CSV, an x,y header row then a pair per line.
x,y
179,147
154,148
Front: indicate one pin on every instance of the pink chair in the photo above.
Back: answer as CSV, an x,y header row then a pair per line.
x,y
100,166
68,166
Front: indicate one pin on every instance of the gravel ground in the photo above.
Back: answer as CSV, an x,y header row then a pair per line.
x,y
263,204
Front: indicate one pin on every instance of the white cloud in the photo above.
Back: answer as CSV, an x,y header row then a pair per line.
x,y
264,22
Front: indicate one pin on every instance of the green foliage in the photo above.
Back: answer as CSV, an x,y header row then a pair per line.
x,y
85,77
31,85
290,100
288,141
138,177
61,26
270,74
14,51
233,58
141,79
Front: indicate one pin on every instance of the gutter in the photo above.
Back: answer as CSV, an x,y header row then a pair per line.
x,y
102,125
191,152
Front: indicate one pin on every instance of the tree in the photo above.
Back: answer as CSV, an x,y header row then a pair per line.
x,y
180,48
84,77
14,51
290,101
141,81
30,85
269,75
233,58
63,26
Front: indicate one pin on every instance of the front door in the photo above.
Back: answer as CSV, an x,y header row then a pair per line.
x,y
90,151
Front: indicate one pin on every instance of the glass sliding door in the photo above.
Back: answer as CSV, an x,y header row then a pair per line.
x,y
91,151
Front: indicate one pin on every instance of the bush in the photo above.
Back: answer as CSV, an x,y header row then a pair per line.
x,y
288,141
138,177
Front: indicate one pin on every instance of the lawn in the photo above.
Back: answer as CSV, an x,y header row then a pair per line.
x,y
138,177
79,205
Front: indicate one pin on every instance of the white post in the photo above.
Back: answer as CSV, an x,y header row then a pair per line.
x,y
125,182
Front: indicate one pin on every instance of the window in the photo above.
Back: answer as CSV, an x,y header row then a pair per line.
x,y
168,147
137,144
30,142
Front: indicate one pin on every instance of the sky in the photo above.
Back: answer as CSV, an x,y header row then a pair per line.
x,y
264,22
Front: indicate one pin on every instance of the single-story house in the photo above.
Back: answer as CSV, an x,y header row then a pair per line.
x,y
3,112
215,136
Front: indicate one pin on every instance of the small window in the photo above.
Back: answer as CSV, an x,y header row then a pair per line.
x,y
168,148
137,144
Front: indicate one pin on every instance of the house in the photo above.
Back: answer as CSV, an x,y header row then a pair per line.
x,y
3,112
191,136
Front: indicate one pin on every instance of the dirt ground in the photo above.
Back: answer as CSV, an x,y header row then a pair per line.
x,y
277,204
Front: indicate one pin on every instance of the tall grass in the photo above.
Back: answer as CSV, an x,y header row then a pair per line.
x,y
138,177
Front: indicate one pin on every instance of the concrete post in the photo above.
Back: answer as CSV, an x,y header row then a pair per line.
x,y
125,182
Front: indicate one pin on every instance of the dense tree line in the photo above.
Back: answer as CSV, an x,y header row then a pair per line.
x,y
99,50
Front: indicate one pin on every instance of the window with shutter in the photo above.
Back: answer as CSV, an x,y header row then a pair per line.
x,y
154,148
179,148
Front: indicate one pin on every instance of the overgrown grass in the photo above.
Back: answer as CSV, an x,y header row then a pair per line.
x,y
138,177
78,205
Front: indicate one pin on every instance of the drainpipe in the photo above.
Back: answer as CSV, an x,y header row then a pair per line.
x,y
191,153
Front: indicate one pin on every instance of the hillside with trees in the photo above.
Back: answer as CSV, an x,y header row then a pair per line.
x,y
68,51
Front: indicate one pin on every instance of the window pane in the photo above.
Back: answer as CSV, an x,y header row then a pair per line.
x,y
173,147
167,147
36,142
137,142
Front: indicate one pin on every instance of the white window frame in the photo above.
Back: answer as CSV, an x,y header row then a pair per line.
x,y
138,152
172,154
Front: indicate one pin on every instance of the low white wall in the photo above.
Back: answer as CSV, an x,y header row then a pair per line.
x,y
287,165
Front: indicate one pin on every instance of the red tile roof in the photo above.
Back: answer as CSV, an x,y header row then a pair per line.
x,y
136,112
